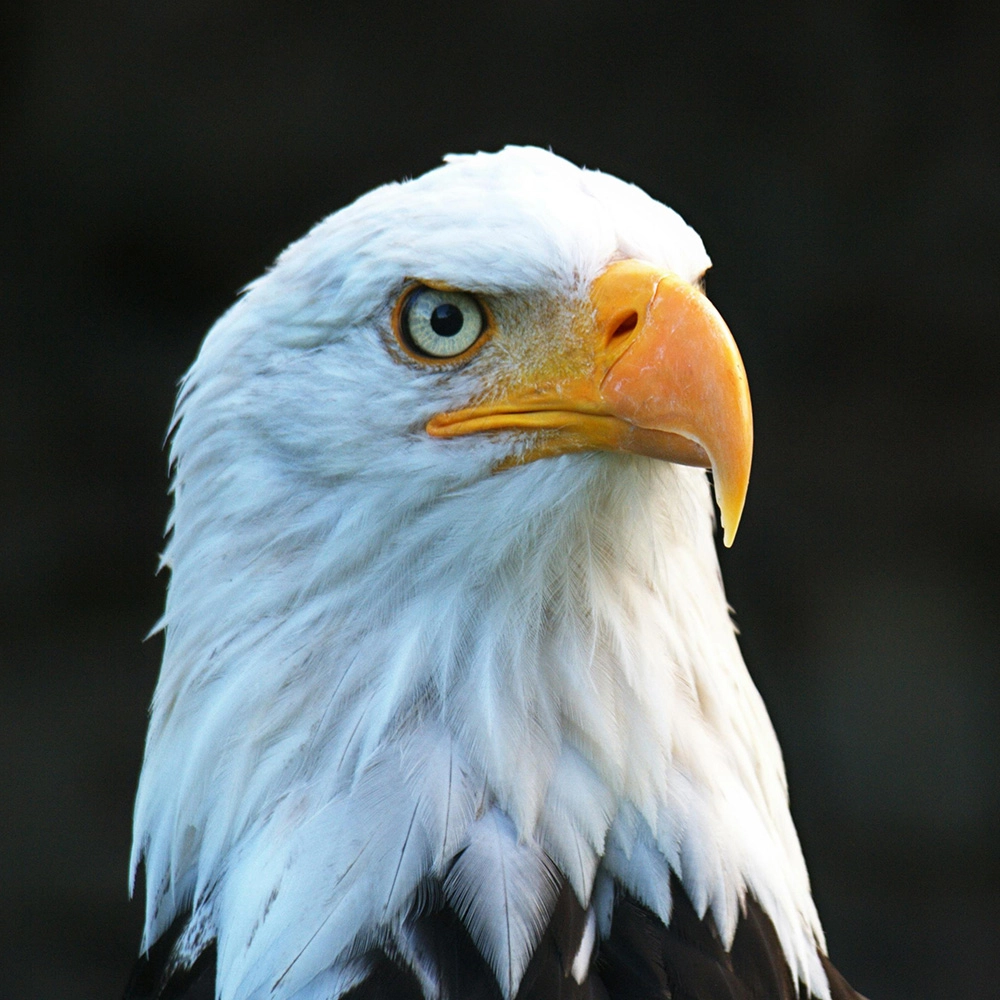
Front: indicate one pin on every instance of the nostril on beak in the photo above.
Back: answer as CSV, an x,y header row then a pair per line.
x,y
627,325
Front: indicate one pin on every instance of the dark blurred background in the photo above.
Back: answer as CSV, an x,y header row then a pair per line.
x,y
841,162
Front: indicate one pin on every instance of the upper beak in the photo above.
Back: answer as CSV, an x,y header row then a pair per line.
x,y
657,372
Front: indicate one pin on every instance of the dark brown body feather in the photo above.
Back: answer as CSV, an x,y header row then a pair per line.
x,y
641,959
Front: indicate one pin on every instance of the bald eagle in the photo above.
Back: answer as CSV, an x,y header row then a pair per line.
x,y
451,705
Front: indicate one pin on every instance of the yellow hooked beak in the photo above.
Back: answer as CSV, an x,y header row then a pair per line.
x,y
653,370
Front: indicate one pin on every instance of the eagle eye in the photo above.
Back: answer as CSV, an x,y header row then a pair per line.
x,y
436,323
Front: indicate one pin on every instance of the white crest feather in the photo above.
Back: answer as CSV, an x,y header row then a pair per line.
x,y
574,824
504,890
632,860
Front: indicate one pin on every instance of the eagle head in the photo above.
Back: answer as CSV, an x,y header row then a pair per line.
x,y
445,637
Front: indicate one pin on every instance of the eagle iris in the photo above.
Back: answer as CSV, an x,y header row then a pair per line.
x,y
440,324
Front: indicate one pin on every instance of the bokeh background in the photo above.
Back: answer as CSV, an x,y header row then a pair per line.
x,y
841,162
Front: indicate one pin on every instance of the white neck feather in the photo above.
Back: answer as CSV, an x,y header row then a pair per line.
x,y
553,641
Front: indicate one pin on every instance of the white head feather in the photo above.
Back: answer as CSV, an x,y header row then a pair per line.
x,y
380,652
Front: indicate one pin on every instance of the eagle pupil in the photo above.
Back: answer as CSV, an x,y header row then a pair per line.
x,y
446,320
